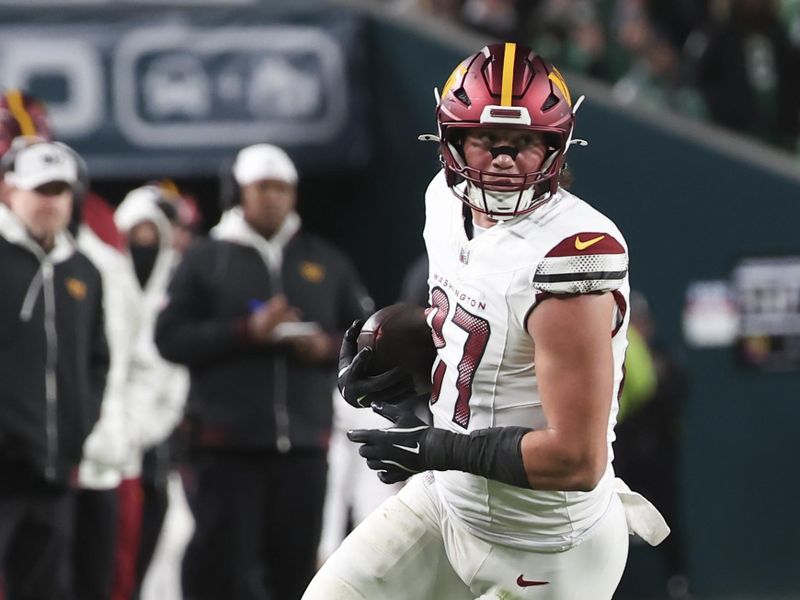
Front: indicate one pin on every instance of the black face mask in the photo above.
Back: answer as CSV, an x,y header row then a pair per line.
x,y
144,259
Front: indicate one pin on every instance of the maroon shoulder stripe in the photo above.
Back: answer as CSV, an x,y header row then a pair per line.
x,y
586,243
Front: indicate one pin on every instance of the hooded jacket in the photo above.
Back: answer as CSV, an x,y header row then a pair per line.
x,y
109,447
157,388
248,395
53,356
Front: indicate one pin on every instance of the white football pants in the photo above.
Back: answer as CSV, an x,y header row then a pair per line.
x,y
411,549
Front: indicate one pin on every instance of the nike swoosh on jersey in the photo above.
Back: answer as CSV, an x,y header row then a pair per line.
x,y
412,449
579,245
522,582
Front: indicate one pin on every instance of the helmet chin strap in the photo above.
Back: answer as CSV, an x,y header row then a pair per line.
x,y
456,155
570,140
549,161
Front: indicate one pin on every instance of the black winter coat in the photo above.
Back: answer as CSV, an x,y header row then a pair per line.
x,y
53,363
245,395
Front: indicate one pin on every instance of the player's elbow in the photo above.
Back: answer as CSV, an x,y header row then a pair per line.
x,y
587,469
588,479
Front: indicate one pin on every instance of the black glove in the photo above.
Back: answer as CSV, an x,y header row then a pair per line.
x,y
361,389
397,452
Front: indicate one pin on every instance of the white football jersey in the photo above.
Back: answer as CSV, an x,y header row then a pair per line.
x,y
481,293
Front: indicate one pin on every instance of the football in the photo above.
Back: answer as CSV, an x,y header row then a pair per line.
x,y
400,337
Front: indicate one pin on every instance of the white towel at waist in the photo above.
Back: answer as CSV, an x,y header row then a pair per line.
x,y
643,518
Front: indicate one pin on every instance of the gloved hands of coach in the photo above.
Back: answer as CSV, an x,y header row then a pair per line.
x,y
397,452
361,389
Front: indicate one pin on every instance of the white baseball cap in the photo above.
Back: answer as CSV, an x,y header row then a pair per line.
x,y
263,161
41,163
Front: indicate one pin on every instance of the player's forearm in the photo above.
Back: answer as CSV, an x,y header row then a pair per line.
x,y
494,453
553,461
541,460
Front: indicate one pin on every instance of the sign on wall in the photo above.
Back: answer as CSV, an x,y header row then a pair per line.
x,y
768,295
178,93
710,315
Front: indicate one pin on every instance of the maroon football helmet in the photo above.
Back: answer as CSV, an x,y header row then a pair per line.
x,y
21,115
505,86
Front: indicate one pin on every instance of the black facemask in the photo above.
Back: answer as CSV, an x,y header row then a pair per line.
x,y
144,259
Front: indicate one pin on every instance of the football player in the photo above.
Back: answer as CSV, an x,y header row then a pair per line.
x,y
511,491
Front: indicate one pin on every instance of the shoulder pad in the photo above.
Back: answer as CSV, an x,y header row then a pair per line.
x,y
582,263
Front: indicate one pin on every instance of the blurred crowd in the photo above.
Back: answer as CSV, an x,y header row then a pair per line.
x,y
732,62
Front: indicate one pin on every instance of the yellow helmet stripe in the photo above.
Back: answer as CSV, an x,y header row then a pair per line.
x,y
17,107
508,74
557,78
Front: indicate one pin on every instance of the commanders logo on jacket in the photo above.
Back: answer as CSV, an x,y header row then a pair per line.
x,y
311,271
76,288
